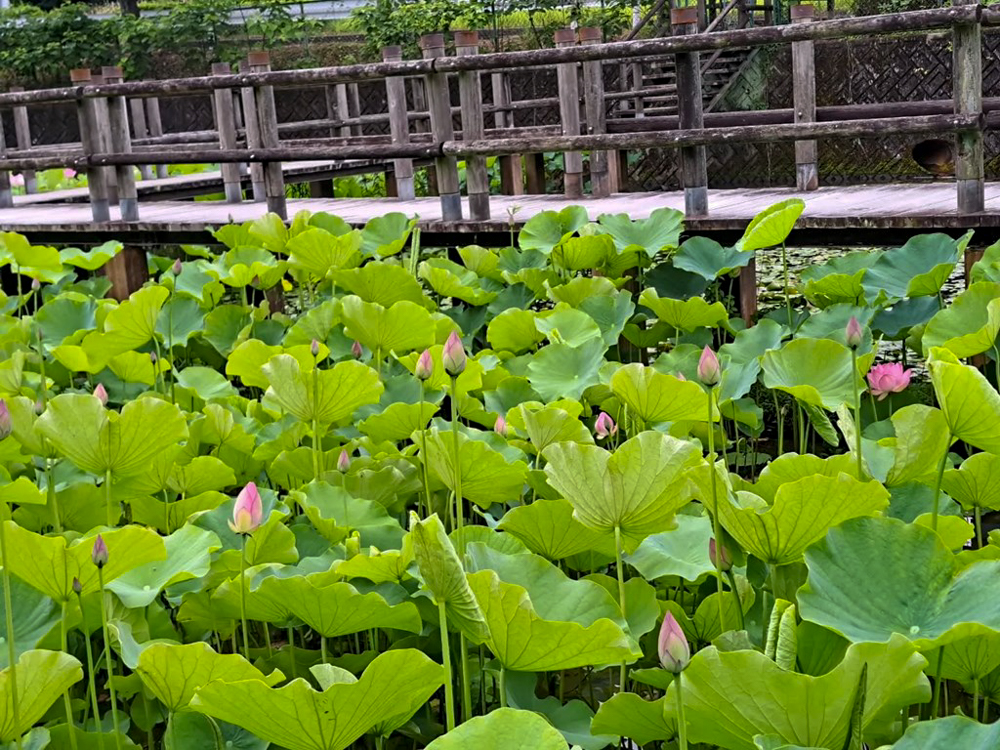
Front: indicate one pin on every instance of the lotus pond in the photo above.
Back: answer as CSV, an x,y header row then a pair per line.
x,y
318,488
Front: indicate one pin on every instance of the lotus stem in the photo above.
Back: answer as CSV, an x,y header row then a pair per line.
x,y
291,649
937,685
682,731
803,430
267,639
317,446
112,521
459,502
620,570
322,649
109,662
423,448
784,269
466,684
92,681
716,524
243,595
996,363
449,688
975,698
64,644
857,412
978,514
41,371
503,686
937,484
736,592
8,612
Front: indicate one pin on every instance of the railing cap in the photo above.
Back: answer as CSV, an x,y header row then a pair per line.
x,y
467,38
80,75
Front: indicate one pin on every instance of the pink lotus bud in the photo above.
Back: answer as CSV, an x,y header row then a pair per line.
x,y
176,268
726,563
356,349
680,375
314,348
69,174
152,357
17,180
77,586
424,368
36,285
344,461
255,282
604,426
39,406
248,511
500,426
101,394
4,419
853,333
709,371
454,355
888,378
672,646
99,555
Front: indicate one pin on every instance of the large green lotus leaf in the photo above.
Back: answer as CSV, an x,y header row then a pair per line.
x,y
967,659
266,599
708,258
189,555
487,477
269,231
66,316
874,577
386,234
319,253
628,715
969,324
98,440
685,315
655,397
802,513
548,425
564,325
731,697
173,673
198,281
679,552
382,284
300,718
951,731
502,729
583,253
328,396
514,330
94,258
400,328
571,718
897,321
562,371
611,313
540,620
917,269
133,367
976,483
544,231
340,609
549,528
970,404
202,474
336,515
831,323
133,322
816,371
636,488
443,575
838,280
919,445
791,467
179,320
42,676
34,616
482,261
449,279
398,421
660,231
247,360
379,567
249,265
49,565
771,226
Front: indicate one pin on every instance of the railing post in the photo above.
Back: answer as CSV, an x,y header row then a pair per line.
x,y
343,109
593,95
6,194
804,100
470,93
104,133
569,114
423,125
225,120
439,106
694,168
140,129
252,124
90,139
22,135
118,133
355,101
399,125
511,172
155,122
267,117
967,67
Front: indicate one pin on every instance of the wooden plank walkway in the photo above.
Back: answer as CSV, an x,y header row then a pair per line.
x,y
832,213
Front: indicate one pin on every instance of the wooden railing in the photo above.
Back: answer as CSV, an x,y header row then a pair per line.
x,y
248,97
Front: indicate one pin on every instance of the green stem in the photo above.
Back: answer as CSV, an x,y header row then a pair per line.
x,y
978,513
781,423
156,367
857,412
112,521
466,683
975,699
166,514
620,569
503,686
291,649
92,682
322,649
449,687
803,433
243,595
937,484
315,449
874,409
682,732
736,592
109,662
267,639
423,448
784,269
459,502
70,724
937,685
317,443
8,612
716,525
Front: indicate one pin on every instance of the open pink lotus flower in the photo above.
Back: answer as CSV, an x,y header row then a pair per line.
x,y
888,378
17,180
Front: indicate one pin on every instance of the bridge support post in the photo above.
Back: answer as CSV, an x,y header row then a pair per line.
x,y
593,95
399,126
225,123
22,134
694,166
343,109
118,133
569,115
470,91
90,139
967,84
155,124
267,118
252,125
104,134
439,106
511,172
140,129
6,195
804,99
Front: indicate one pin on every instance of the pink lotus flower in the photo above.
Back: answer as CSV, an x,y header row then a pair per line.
x,y
4,419
709,370
424,368
69,174
99,555
344,462
17,180
604,426
454,355
888,378
101,394
248,512
672,646
853,333
727,560
500,426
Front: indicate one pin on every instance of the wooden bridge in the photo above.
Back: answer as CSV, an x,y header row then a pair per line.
x,y
666,98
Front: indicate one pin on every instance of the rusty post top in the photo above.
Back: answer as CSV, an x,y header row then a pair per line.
x,y
467,39
684,16
259,58
590,35
565,36
392,53
803,12
221,69
432,41
80,75
112,71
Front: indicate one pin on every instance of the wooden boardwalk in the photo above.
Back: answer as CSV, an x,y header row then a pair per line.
x,y
860,214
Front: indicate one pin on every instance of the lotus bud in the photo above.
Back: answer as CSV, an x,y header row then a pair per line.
x,y
672,646
344,461
454,355
36,285
248,511
99,555
500,426
726,562
853,333
4,419
101,394
604,426
424,368
77,586
152,357
255,282
356,349
680,375
709,371
69,174
39,406
176,268
314,348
